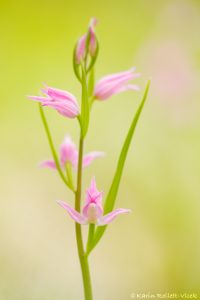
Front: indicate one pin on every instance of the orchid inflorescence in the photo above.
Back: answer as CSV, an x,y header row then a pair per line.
x,y
71,159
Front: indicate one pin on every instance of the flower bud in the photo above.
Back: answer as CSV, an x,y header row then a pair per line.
x,y
87,43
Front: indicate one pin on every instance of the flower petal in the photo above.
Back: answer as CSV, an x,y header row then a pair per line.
x,y
65,109
107,89
40,99
92,190
75,215
93,196
48,164
111,216
88,158
59,95
120,89
116,76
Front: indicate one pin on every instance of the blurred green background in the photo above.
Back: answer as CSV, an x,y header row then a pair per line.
x,y
156,248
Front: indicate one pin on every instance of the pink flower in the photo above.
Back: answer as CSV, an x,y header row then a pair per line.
x,y
81,45
114,84
62,101
69,154
92,212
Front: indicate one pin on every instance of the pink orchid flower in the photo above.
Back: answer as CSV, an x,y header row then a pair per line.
x,y
92,212
81,45
115,84
62,101
69,154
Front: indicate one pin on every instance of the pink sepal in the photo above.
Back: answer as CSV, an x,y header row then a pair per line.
x,y
108,218
48,164
88,158
76,216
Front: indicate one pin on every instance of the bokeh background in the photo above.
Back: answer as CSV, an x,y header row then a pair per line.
x,y
156,248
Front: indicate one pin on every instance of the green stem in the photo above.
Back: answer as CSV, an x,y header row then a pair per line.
x,y
46,127
90,237
82,257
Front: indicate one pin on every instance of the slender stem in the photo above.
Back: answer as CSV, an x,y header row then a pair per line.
x,y
46,127
82,257
90,237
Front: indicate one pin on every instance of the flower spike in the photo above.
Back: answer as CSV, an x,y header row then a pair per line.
x,y
93,211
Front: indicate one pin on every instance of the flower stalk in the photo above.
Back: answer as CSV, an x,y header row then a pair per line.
x,y
84,124
82,257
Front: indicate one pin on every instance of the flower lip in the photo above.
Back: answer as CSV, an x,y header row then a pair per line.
x,y
92,213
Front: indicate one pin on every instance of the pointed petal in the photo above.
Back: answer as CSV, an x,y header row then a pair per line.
x,y
65,109
128,75
59,95
111,216
39,99
93,187
75,215
108,89
125,88
48,164
93,195
88,158
92,45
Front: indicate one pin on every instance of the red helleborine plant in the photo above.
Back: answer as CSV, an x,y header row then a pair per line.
x,y
93,213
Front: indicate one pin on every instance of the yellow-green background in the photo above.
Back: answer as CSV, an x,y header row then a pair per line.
x,y
156,248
